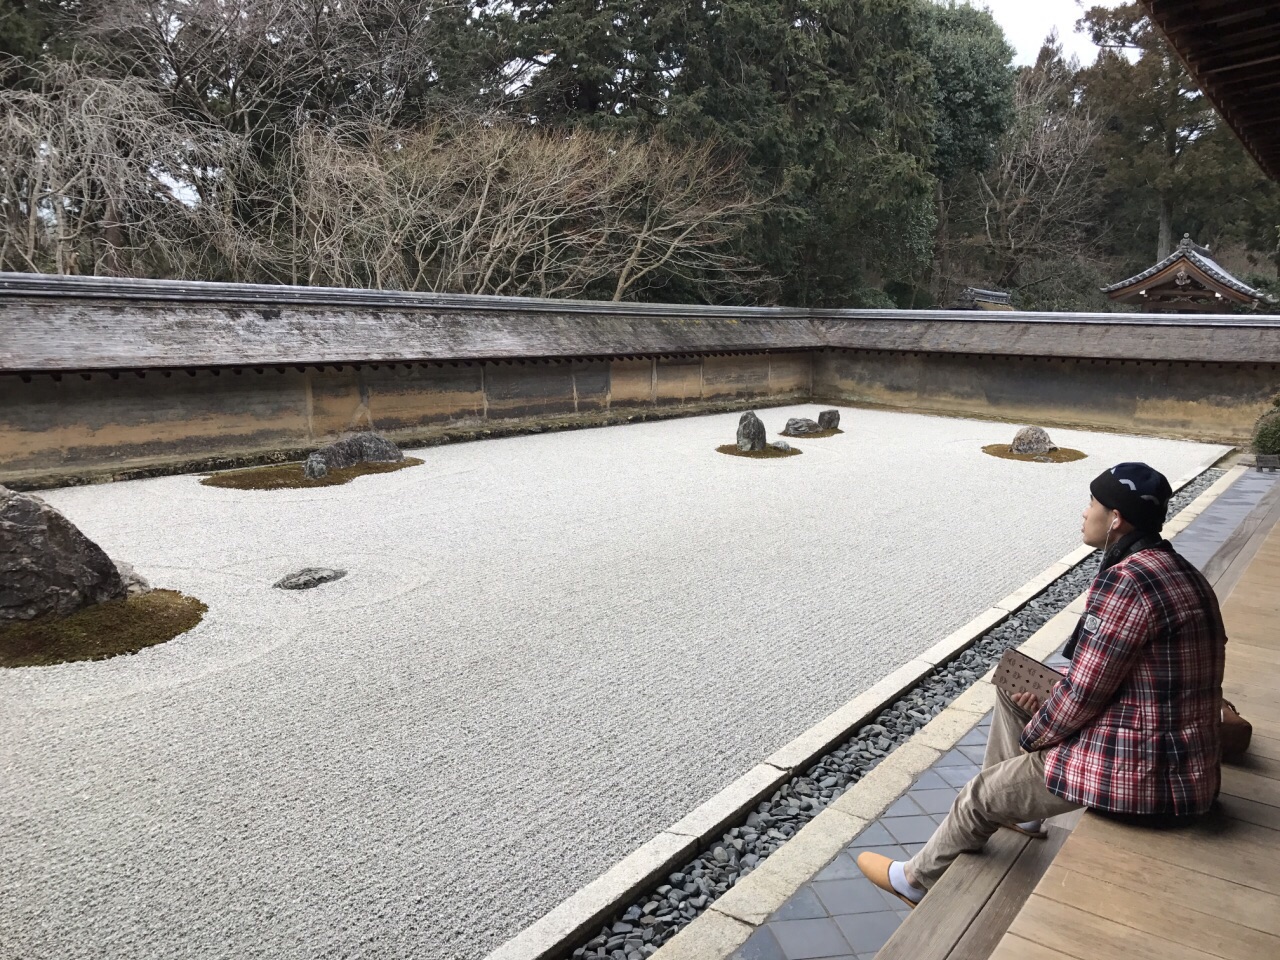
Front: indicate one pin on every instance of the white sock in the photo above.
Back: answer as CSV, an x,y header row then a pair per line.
x,y
1032,826
898,878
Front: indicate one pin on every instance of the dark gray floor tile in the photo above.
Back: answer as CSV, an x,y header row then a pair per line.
x,y
976,754
929,780
891,902
935,801
761,945
892,851
911,829
869,932
810,939
842,867
959,776
952,758
849,896
911,849
977,737
874,836
803,905
904,806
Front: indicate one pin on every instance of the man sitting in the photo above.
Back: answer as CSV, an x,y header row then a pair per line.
x,y
1132,730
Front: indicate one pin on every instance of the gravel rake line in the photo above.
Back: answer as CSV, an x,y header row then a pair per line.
x,y
653,919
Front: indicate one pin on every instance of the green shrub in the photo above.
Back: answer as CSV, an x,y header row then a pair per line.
x,y
1266,438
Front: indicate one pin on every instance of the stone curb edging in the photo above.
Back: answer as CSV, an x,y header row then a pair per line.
x,y
728,921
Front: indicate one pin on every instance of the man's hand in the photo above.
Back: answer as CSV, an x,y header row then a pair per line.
x,y
1027,701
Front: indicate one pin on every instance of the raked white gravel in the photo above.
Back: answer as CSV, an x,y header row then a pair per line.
x,y
548,648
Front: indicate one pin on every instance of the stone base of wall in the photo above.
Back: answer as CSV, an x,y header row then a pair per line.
x,y
1210,402
86,428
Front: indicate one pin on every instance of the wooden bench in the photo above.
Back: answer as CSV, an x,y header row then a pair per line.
x,y
1104,891
1264,461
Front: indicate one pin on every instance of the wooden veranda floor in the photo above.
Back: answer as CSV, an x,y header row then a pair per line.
x,y
1209,892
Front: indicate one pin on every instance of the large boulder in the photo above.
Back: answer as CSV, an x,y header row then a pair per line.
x,y
800,427
751,436
1032,440
47,566
829,420
349,451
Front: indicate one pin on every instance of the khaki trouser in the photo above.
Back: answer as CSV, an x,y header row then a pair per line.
x,y
1010,789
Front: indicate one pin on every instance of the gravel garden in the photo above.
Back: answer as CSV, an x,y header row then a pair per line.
x,y
545,649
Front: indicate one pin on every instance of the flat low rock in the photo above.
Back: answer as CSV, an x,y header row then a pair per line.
x,y
349,451
801,427
781,446
829,420
1032,440
309,577
751,435
47,566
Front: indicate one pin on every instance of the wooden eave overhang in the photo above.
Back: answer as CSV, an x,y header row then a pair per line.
x,y
1163,285
1231,48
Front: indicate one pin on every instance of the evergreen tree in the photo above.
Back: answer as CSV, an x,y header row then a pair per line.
x,y
973,74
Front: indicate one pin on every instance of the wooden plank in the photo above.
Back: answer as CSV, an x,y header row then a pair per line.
x,y
1216,934
942,918
1218,846
1254,710
1176,886
1242,656
1089,937
1016,948
1256,763
1260,746
1249,786
993,920
1252,811
1262,727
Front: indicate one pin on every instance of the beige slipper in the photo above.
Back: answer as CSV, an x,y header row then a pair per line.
x,y
876,868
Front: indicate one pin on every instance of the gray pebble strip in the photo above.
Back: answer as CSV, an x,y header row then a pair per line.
x,y
659,915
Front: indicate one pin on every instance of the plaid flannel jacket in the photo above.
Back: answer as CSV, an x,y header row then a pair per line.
x,y
1134,725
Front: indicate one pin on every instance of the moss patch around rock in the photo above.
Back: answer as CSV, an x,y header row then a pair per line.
x,y
1061,455
101,631
768,453
821,434
288,476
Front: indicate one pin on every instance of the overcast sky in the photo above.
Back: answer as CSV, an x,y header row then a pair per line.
x,y
1027,22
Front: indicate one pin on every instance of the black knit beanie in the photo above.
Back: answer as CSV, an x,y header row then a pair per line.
x,y
1140,493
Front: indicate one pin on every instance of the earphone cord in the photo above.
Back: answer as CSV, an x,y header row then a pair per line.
x,y
1105,547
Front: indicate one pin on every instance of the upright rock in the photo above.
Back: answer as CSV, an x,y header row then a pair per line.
x,y
349,451
1032,440
751,436
47,566
829,420
800,427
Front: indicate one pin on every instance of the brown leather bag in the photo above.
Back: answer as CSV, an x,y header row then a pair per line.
x,y
1236,732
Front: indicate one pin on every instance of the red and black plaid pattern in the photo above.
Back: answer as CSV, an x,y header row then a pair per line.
x,y
1133,727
